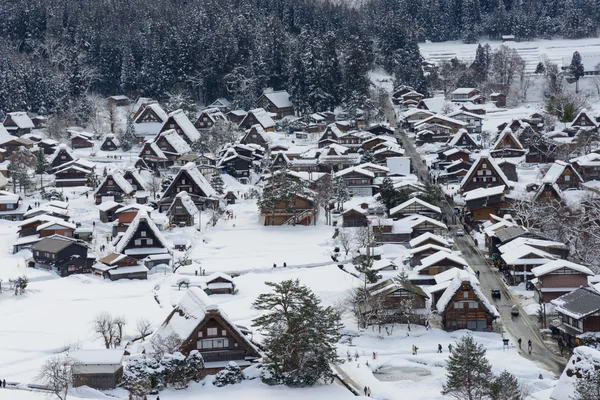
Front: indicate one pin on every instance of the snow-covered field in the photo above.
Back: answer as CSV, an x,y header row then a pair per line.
x,y
532,52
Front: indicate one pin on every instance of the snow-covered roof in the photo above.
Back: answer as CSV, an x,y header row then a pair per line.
x,y
221,102
463,90
97,356
484,192
60,148
587,160
280,98
398,165
60,224
199,179
558,264
217,275
187,203
463,112
427,236
262,117
436,258
415,200
584,360
160,113
443,118
415,219
119,180
531,242
186,126
8,197
429,246
21,120
456,284
485,157
176,141
128,269
507,132
142,215
515,256
356,169
556,170
452,273
434,104
579,303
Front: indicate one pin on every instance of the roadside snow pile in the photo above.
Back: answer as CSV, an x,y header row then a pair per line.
x,y
584,359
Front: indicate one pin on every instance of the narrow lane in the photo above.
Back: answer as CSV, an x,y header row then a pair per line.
x,y
518,327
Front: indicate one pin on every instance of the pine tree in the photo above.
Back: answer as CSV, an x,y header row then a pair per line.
x,y
217,183
469,373
540,69
41,165
588,387
231,375
137,376
300,334
389,195
341,194
505,387
174,370
481,64
576,69
367,157
194,366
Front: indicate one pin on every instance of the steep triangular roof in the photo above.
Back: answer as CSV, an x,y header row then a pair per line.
x,y
456,284
191,171
142,216
186,202
487,159
176,141
183,122
507,140
415,200
119,180
462,133
557,169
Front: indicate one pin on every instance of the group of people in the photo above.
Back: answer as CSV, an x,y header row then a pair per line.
x,y
2,383
529,345
275,265
367,391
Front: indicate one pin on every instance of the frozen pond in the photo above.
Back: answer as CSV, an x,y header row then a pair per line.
x,y
392,374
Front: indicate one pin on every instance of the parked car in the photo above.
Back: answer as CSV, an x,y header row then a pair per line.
x,y
460,232
496,294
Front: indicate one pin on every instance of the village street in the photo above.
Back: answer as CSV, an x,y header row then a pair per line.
x,y
523,326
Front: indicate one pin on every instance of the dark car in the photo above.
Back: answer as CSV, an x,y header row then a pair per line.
x,y
496,294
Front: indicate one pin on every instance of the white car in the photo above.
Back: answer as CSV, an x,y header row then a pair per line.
x,y
460,232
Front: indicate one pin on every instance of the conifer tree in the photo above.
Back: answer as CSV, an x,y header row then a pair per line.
x,y
300,334
505,387
576,69
468,372
217,183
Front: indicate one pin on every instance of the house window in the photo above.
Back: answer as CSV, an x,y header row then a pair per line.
x,y
458,305
138,242
10,206
223,332
149,242
466,294
212,331
473,304
147,152
483,165
183,181
567,178
213,343
63,157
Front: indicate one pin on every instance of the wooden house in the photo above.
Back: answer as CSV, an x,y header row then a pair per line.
x,y
236,116
499,99
419,224
370,143
481,203
29,226
182,210
236,164
463,139
588,166
483,173
18,123
298,211
48,146
464,306
115,266
256,135
118,100
178,121
66,256
429,238
473,108
125,214
190,180
394,294
81,140
442,123
221,104
548,193
352,140
56,227
462,95
329,136
70,174
399,92
134,178
434,264
172,144
521,260
107,210
277,102
509,168
258,116
152,157
358,180
578,314
219,283
507,145
449,155
142,238
148,121
564,175
557,278
62,155
100,369
13,143
354,218
200,325
417,254
416,206
208,118
110,143
114,187
584,120
474,121
380,129
140,104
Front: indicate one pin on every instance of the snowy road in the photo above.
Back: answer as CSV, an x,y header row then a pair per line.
x,y
520,327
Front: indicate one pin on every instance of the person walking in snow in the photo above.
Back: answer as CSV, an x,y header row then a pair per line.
x,y
519,341
529,346
439,348
284,265
368,391
365,390
274,265
450,348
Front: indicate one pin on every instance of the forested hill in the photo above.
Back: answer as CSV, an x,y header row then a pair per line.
x,y
55,51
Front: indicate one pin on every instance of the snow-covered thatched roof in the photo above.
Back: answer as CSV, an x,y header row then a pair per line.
x,y
176,141
119,180
456,284
186,202
555,265
142,215
186,126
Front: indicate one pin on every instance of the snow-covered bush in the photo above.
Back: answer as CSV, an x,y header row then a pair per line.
x,y
137,376
174,370
231,375
194,368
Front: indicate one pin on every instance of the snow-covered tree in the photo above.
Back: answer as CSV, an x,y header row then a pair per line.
x,y
194,366
367,157
341,194
468,372
505,387
57,374
390,197
137,376
300,334
576,69
174,369
588,386
217,183
230,375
